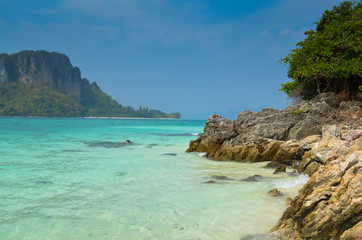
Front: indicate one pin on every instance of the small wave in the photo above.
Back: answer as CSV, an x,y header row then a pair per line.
x,y
202,154
302,179
195,134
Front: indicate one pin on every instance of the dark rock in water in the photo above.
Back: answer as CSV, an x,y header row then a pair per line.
x,y
271,165
151,145
254,178
275,193
70,150
280,168
44,182
225,178
170,154
107,144
293,174
211,181
122,173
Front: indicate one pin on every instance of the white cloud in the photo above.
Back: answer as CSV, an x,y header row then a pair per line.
x,y
285,32
3,22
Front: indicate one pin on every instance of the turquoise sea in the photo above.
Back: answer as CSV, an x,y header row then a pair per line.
x,y
73,178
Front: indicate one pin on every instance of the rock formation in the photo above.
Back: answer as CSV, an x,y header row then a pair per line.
x,y
42,69
321,138
299,135
40,83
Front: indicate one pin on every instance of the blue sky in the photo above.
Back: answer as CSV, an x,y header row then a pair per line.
x,y
194,56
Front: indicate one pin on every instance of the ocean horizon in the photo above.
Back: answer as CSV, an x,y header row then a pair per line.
x,y
79,178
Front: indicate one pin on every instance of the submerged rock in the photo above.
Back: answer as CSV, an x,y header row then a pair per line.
x,y
225,178
44,182
170,154
254,178
210,182
108,144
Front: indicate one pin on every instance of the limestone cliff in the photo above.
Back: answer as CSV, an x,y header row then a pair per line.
x,y
40,83
321,138
41,69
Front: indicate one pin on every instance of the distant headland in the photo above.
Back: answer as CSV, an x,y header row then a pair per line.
x,y
41,83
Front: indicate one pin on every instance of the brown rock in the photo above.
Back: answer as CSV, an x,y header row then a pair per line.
x,y
329,204
288,201
275,193
280,168
354,233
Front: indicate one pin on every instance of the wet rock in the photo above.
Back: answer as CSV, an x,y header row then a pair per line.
x,y
210,182
275,193
224,178
254,178
271,165
280,169
293,174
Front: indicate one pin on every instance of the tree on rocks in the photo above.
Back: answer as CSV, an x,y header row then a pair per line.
x,y
330,58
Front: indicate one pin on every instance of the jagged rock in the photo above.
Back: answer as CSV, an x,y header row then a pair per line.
x,y
288,201
280,168
282,136
271,165
354,233
321,138
41,69
329,204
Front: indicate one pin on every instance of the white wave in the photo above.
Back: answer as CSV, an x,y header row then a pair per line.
x,y
302,179
202,154
195,134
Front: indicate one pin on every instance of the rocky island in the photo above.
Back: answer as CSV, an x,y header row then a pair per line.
x,y
319,135
40,83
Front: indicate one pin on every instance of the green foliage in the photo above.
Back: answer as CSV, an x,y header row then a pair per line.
x,y
330,58
297,112
22,100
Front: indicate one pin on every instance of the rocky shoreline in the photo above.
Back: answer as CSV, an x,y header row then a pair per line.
x,y
321,138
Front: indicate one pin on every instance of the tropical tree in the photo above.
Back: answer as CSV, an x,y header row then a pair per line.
x,y
330,57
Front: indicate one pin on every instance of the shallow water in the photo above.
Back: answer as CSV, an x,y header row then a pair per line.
x,y
74,178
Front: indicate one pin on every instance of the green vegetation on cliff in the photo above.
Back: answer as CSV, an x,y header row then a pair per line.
x,y
39,83
21,100
330,58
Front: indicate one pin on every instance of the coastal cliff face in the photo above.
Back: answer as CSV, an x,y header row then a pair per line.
x,y
41,69
40,83
321,138
285,137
